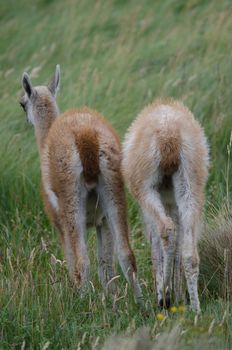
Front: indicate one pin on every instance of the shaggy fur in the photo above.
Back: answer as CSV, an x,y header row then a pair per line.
x,y
82,184
165,165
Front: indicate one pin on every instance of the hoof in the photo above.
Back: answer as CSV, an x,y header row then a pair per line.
x,y
165,303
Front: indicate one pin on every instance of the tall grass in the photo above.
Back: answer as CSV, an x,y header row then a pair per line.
x,y
115,56
150,339
216,256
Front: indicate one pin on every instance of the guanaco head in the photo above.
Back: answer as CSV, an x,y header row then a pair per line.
x,y
39,102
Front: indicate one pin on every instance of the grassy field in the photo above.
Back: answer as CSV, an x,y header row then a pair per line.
x,y
116,57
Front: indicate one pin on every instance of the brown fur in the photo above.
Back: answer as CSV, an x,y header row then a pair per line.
x,y
169,140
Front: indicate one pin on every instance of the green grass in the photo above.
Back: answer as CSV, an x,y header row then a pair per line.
x,y
116,57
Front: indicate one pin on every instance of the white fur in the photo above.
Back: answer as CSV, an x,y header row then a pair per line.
x,y
30,114
129,143
52,197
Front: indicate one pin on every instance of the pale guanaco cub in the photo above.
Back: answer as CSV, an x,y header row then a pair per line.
x,y
80,158
165,165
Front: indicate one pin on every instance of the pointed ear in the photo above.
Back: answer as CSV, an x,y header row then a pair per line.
x,y
26,84
55,81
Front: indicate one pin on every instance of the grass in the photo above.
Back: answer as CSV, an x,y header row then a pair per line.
x,y
116,57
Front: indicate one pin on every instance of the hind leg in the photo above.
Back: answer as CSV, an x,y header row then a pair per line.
x,y
73,218
156,254
165,227
189,213
106,256
190,260
177,266
169,257
178,270
113,202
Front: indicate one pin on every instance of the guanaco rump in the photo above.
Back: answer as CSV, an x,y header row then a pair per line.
x,y
80,158
165,165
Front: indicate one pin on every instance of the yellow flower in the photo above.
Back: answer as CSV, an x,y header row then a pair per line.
x,y
160,317
182,309
173,309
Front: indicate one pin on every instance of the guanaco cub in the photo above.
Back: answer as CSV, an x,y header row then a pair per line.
x,y
80,158
165,165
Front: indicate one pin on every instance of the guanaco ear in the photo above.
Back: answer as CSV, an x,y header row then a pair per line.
x,y
55,81
26,84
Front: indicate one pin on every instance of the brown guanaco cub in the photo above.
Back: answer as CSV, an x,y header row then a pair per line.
x,y
80,157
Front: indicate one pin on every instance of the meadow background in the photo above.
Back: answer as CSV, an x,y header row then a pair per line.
x,y
116,56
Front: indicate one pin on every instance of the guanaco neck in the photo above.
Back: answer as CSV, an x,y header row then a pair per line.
x,y
47,116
